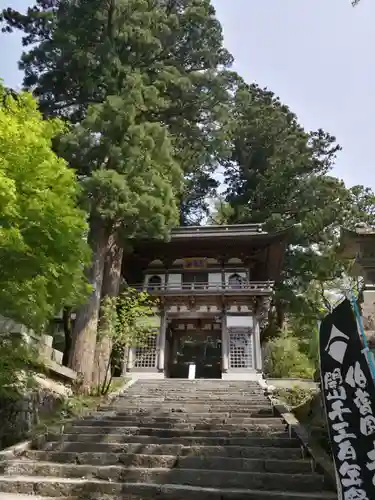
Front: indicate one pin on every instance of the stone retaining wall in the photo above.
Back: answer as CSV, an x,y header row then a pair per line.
x,y
18,417
289,383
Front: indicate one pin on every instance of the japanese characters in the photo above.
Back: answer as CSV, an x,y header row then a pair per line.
x,y
349,396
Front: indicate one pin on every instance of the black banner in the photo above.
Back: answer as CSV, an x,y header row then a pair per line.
x,y
349,397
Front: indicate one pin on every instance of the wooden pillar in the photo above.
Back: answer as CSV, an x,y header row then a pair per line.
x,y
223,273
224,343
257,346
166,278
167,265
162,336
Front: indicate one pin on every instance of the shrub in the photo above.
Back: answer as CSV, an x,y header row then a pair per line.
x,y
284,359
17,359
295,396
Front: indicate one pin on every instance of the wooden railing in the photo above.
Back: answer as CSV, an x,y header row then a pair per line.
x,y
254,287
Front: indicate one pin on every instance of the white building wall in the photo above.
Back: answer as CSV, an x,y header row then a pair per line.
x,y
240,322
214,279
175,280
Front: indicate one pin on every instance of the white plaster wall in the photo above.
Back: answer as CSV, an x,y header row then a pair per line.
x,y
240,321
214,279
175,280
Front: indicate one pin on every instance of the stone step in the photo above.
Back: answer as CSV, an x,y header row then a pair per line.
x,y
180,413
189,399
108,454
192,477
196,381
95,489
196,395
172,433
178,408
170,440
154,403
192,417
175,461
181,391
153,393
176,418
280,440
110,421
181,394
201,384
136,427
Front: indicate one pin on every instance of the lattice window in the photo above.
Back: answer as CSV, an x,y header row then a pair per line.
x,y
145,357
154,283
240,348
235,281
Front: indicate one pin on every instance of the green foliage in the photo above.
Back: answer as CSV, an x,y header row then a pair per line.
x,y
221,212
145,85
128,320
17,358
295,396
279,174
131,179
82,53
285,359
42,250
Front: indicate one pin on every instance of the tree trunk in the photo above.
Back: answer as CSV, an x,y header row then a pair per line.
x,y
110,288
67,323
124,361
86,323
280,314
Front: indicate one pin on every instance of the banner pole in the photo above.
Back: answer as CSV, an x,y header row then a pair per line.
x,y
363,334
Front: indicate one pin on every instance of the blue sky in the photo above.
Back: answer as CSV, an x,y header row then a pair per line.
x,y
317,55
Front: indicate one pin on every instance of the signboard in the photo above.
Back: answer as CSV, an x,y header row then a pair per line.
x,y
349,398
195,263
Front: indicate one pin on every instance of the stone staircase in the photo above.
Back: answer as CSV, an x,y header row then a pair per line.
x,y
171,440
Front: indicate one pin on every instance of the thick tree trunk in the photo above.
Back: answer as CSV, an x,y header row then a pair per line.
x,y
86,323
110,288
67,322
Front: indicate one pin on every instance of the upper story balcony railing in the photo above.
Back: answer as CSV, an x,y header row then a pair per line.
x,y
245,287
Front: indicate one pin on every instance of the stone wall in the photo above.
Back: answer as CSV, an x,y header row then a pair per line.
x,y
290,383
44,342
312,416
19,417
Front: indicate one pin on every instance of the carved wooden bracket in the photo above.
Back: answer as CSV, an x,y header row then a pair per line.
x,y
192,303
